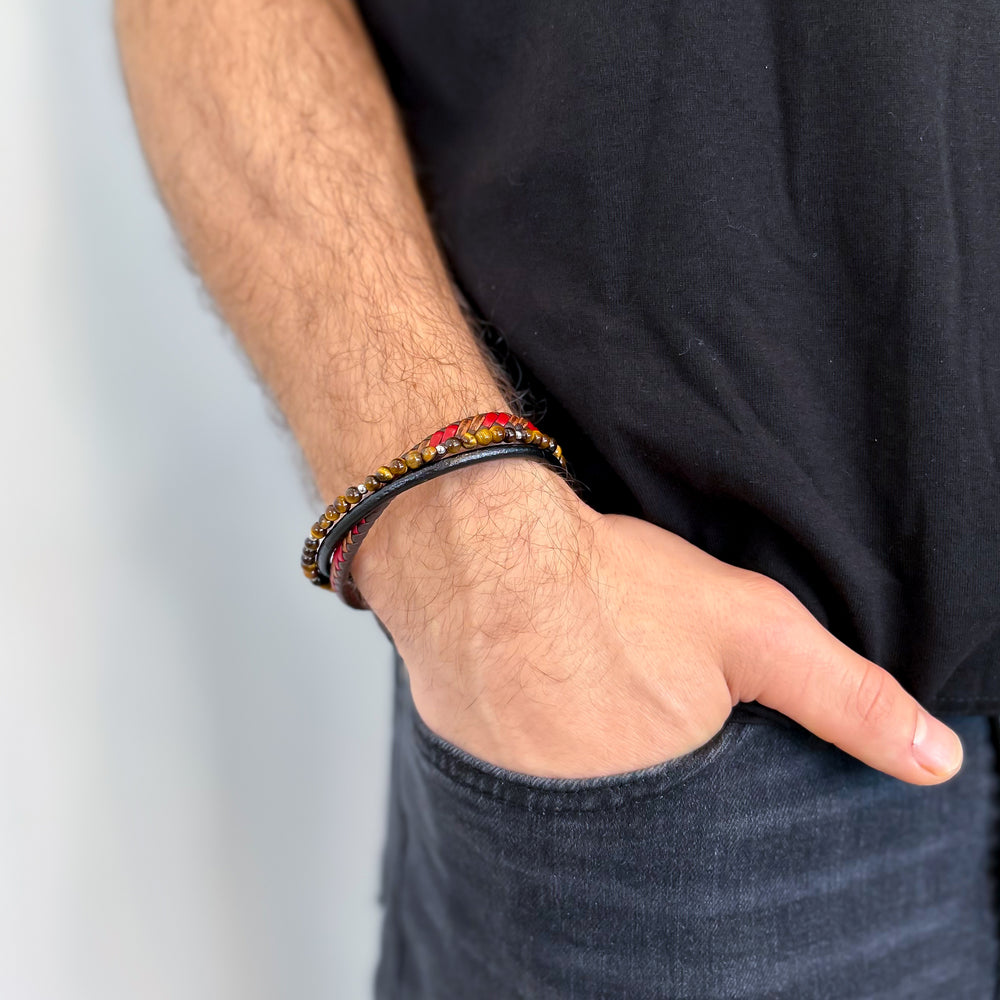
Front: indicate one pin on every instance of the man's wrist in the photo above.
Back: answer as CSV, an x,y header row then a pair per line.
x,y
458,535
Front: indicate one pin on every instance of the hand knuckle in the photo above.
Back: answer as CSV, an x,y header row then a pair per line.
x,y
871,696
773,619
768,595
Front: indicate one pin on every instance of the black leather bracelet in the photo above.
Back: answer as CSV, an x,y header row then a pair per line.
x,y
368,509
334,538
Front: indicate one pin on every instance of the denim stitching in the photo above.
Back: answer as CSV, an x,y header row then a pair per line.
x,y
600,793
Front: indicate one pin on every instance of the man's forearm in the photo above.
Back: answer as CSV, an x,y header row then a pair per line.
x,y
277,150
278,153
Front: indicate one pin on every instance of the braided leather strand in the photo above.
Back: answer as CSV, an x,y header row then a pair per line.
x,y
501,433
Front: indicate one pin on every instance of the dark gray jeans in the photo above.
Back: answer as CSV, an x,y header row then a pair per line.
x,y
766,863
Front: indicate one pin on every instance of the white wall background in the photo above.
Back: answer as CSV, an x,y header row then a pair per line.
x,y
193,741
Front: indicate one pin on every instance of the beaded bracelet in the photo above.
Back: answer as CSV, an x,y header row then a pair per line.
x,y
328,550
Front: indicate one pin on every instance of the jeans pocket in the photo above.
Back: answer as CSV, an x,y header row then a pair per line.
x,y
470,775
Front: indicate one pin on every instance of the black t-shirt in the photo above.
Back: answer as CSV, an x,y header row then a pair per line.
x,y
746,257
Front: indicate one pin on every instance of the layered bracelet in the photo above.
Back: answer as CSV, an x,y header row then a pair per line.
x,y
334,539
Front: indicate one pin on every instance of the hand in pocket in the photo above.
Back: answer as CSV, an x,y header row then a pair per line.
x,y
547,638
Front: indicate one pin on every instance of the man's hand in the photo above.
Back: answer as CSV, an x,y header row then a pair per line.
x,y
550,639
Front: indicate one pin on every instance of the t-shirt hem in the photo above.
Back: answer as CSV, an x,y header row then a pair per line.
x,y
964,706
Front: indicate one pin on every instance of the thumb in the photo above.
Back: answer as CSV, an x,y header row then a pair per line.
x,y
853,703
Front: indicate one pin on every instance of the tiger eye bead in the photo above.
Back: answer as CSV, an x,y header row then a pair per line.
x,y
558,452
544,442
510,433
341,506
429,453
469,440
484,435
310,572
317,531
398,466
371,484
452,445
331,513
413,460
352,494
497,431
384,474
